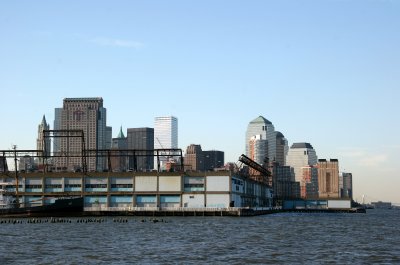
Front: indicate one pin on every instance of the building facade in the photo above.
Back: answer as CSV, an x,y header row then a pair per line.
x,y
346,185
88,115
119,158
309,182
301,155
194,159
262,126
213,159
42,143
165,137
282,149
328,178
141,139
258,149
154,190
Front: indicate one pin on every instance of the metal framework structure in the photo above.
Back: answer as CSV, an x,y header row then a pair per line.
x,y
265,174
87,153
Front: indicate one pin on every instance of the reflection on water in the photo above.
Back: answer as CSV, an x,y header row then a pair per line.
x,y
281,238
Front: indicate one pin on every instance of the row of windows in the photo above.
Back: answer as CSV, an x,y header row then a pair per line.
x,y
121,185
95,186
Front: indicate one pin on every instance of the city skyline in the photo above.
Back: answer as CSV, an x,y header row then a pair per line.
x,y
326,73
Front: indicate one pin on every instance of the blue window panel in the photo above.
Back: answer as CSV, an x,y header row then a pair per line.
x,y
33,190
96,189
146,198
121,189
96,199
194,189
73,189
53,190
170,198
121,199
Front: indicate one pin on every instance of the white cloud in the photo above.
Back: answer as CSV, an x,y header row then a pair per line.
x,y
373,160
117,43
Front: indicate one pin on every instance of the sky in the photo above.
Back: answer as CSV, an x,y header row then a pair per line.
x,y
323,72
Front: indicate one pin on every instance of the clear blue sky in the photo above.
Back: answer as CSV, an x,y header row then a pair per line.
x,y
324,72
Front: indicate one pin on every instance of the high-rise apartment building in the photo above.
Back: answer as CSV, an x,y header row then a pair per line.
x,y
328,178
165,136
42,143
88,115
265,131
141,139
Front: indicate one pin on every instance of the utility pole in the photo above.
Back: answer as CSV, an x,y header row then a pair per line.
x,y
16,176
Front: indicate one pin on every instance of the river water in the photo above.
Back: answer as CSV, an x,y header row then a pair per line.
x,y
286,238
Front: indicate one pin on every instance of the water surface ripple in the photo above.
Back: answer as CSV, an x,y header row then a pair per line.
x,y
371,238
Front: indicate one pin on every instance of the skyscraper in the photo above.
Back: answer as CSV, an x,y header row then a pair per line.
x,y
88,115
165,136
119,158
282,148
299,157
194,159
258,149
346,185
141,139
213,159
262,126
328,178
41,143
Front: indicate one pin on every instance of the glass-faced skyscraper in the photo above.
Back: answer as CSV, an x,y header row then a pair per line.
x,y
264,130
165,135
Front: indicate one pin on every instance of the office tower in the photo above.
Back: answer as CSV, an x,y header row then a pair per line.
x,y
165,136
194,158
108,137
309,182
262,126
141,139
282,149
328,178
346,185
119,157
258,149
299,156
213,159
283,183
57,126
88,115
302,155
41,143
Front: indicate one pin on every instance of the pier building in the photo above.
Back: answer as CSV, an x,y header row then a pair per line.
x,y
138,191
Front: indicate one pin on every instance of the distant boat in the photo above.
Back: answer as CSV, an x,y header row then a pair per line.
x,y
61,207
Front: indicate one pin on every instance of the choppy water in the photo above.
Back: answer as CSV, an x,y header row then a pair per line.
x,y
372,238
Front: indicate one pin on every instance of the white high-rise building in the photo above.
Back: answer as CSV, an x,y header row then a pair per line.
x,y
301,155
165,136
258,148
262,126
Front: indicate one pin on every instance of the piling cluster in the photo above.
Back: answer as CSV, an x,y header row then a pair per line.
x,y
55,220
